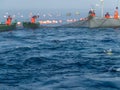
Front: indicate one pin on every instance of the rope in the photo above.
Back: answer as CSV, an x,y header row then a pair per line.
x,y
106,20
84,22
101,23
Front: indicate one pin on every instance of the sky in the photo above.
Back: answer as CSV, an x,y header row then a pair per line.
x,y
55,4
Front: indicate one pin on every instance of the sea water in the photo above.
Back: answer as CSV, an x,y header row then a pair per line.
x,y
60,59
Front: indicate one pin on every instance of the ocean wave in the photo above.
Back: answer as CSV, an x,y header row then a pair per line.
x,y
58,59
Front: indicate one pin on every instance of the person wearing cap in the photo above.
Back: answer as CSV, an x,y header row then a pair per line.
x,y
92,13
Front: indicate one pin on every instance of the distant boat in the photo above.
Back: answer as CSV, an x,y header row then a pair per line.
x,y
31,25
4,27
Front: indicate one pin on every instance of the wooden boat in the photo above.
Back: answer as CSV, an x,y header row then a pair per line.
x,y
31,25
4,27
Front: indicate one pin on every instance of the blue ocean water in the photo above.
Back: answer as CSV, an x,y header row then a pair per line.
x,y
60,59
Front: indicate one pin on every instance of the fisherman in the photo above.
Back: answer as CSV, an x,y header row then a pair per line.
x,y
9,20
116,15
107,15
92,13
33,19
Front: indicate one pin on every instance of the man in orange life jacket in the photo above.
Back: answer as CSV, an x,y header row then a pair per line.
x,y
92,13
107,15
33,19
8,21
116,15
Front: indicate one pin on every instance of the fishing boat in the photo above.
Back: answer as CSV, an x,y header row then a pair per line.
x,y
31,25
96,22
4,27
103,23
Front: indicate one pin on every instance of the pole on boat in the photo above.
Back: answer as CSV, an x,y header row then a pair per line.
x,y
102,7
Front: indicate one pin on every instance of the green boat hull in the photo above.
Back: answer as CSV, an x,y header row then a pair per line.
x,y
31,25
4,27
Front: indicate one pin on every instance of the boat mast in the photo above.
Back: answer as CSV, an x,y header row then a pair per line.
x,y
102,7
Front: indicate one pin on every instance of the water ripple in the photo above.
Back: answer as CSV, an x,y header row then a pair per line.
x,y
60,59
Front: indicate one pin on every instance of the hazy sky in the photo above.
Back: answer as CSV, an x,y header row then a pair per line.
x,y
58,4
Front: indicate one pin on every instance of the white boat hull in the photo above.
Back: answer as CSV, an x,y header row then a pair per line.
x,y
104,23
95,23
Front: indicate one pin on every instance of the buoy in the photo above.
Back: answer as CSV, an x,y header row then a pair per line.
x,y
108,52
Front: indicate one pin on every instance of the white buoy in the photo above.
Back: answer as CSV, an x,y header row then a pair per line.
x,y
108,52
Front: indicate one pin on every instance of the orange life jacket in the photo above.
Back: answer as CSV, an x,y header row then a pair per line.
x,y
116,15
32,20
8,21
107,16
93,14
